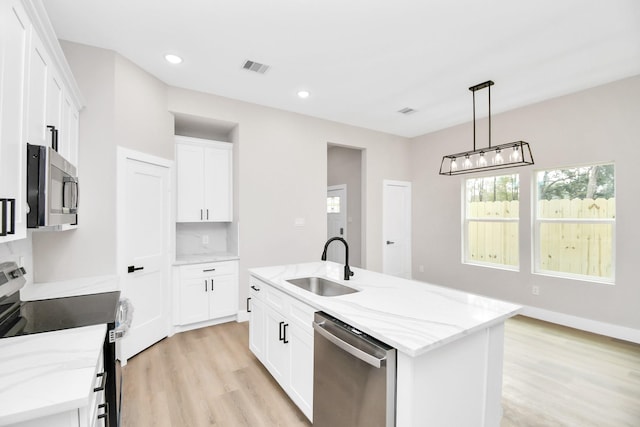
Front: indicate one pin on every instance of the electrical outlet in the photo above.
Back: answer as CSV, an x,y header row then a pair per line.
x,y
205,239
535,290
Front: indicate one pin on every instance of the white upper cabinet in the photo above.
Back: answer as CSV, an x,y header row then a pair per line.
x,y
14,33
204,180
37,90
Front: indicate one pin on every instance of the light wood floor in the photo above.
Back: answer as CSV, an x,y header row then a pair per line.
x,y
553,376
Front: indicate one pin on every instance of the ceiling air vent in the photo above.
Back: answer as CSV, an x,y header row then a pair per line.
x,y
255,66
407,110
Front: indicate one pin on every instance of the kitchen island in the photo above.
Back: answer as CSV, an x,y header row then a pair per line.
x,y
449,343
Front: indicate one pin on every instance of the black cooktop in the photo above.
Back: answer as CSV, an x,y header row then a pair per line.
x,y
32,317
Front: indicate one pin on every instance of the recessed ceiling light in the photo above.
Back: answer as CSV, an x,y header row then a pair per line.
x,y
174,59
303,94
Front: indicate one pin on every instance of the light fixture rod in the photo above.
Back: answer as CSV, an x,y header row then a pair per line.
x,y
473,89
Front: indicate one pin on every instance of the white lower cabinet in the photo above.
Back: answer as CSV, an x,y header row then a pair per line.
x,y
281,337
207,291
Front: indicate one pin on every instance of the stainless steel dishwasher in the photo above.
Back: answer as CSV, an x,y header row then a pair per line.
x,y
354,377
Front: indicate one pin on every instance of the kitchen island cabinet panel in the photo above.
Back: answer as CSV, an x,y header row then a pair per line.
x,y
282,339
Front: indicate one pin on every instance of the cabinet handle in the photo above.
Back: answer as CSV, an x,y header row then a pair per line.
x,y
255,289
105,414
207,213
212,285
280,337
201,217
54,137
208,269
205,285
284,333
12,217
248,309
103,380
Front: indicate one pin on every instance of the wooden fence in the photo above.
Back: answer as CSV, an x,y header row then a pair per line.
x,y
568,247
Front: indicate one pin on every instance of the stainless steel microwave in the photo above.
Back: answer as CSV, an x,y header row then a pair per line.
x,y
52,188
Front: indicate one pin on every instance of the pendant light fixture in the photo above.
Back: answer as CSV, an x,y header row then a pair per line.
x,y
501,156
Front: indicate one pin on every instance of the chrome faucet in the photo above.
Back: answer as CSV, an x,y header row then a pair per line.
x,y
347,271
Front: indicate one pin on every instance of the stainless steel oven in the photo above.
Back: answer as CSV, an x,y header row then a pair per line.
x,y
354,377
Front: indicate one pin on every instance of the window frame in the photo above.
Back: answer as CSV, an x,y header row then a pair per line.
x,y
466,259
536,261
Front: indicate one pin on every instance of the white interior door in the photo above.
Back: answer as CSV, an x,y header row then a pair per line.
x,y
143,246
396,228
336,220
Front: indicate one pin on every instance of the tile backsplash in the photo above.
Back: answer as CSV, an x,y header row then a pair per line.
x,y
21,252
204,238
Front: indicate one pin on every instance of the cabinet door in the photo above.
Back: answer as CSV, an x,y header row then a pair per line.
x,y
39,78
54,103
190,183
257,328
301,373
14,30
276,350
223,298
194,300
218,184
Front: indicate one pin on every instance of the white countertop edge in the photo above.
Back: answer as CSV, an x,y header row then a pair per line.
x,y
335,275
80,395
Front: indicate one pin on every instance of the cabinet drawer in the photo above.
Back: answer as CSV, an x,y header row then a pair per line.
x,y
276,299
257,288
208,270
301,314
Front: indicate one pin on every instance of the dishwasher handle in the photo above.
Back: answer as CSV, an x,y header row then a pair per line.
x,y
372,360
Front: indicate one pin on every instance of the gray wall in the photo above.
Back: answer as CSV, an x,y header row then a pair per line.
x,y
596,125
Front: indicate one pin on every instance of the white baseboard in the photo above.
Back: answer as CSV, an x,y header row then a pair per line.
x,y
184,328
602,328
243,316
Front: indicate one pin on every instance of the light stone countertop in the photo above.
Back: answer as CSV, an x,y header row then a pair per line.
x,y
204,258
48,373
68,288
414,317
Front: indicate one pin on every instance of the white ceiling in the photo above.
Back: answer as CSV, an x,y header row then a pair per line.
x,y
363,60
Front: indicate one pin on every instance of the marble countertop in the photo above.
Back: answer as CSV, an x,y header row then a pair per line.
x,y
48,373
414,317
202,258
69,288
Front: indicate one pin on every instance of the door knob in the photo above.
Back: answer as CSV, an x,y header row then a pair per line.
x,y
389,242
132,268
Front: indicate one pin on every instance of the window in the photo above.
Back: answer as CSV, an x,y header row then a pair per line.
x,y
491,221
333,204
574,229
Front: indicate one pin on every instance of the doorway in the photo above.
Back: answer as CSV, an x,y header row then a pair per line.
x,y
336,220
143,230
344,169
396,228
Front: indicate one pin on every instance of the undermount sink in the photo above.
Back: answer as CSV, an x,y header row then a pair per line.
x,y
322,287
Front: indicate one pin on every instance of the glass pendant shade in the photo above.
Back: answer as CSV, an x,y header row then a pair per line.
x,y
509,155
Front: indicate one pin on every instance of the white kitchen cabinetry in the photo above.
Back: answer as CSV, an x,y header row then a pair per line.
x,y
14,32
52,112
281,337
204,180
207,291
36,91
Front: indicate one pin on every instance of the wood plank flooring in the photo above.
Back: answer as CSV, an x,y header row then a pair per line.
x,y
553,376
